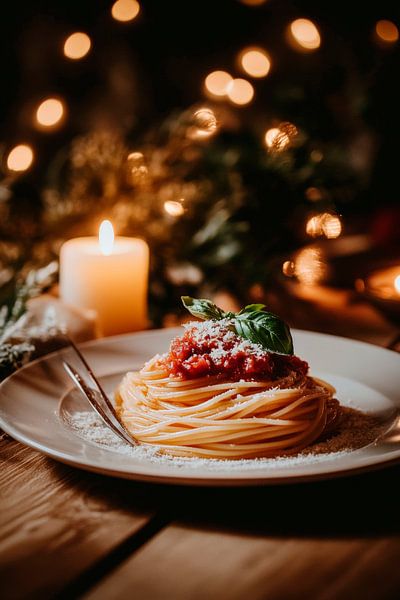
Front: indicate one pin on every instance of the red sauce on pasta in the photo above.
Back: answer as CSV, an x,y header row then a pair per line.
x,y
211,349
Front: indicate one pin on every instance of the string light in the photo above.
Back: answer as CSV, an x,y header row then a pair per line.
x,y
240,91
386,32
173,208
255,62
49,112
125,10
77,45
216,83
20,158
304,35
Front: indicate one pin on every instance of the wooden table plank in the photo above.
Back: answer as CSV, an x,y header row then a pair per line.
x,y
323,540
56,521
184,563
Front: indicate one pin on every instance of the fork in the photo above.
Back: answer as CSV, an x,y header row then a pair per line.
x,y
96,395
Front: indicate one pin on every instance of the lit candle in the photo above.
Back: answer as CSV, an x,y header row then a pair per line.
x,y
397,284
108,276
385,283
382,288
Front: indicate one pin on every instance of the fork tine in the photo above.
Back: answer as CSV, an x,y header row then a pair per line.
x,y
110,418
109,408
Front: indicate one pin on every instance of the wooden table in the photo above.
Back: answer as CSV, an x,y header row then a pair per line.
x,y
66,533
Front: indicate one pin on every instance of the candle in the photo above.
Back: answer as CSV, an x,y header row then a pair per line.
x,y
385,283
397,284
382,288
108,276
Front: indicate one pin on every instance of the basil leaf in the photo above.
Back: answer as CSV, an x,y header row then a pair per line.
x,y
202,308
252,323
264,328
251,308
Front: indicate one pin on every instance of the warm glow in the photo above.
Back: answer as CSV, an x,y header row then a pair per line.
x,y
20,158
49,112
397,284
173,208
216,83
289,268
106,237
324,224
304,34
255,62
331,226
313,194
253,2
313,226
125,10
205,124
309,267
77,45
387,31
240,91
276,138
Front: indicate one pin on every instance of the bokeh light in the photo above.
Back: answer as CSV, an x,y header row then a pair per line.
x,y
255,62
397,284
49,112
125,10
325,224
313,194
281,137
20,158
316,156
276,139
310,266
77,45
174,208
314,226
216,83
304,35
240,91
331,226
386,32
288,268
204,125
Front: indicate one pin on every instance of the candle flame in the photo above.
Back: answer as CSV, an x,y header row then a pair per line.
x,y
106,237
397,284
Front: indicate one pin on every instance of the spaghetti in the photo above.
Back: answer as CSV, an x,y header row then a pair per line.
x,y
224,413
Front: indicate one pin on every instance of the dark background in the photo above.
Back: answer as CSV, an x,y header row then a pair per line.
x,y
138,76
164,54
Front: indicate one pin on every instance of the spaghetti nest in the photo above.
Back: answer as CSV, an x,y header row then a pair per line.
x,y
211,417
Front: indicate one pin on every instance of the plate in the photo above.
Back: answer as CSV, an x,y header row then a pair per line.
x,y
38,401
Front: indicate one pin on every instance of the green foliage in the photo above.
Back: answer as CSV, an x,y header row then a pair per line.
x,y
252,323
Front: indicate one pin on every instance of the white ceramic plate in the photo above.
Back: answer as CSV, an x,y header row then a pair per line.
x,y
35,401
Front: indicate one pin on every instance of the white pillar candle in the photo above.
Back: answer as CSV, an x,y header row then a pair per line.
x,y
108,276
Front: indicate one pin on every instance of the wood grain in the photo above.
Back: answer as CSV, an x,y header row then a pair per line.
x,y
56,521
324,540
187,563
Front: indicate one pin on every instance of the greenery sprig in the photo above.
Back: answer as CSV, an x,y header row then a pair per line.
x,y
253,323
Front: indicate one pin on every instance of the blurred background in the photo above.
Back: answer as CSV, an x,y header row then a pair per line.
x,y
253,144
